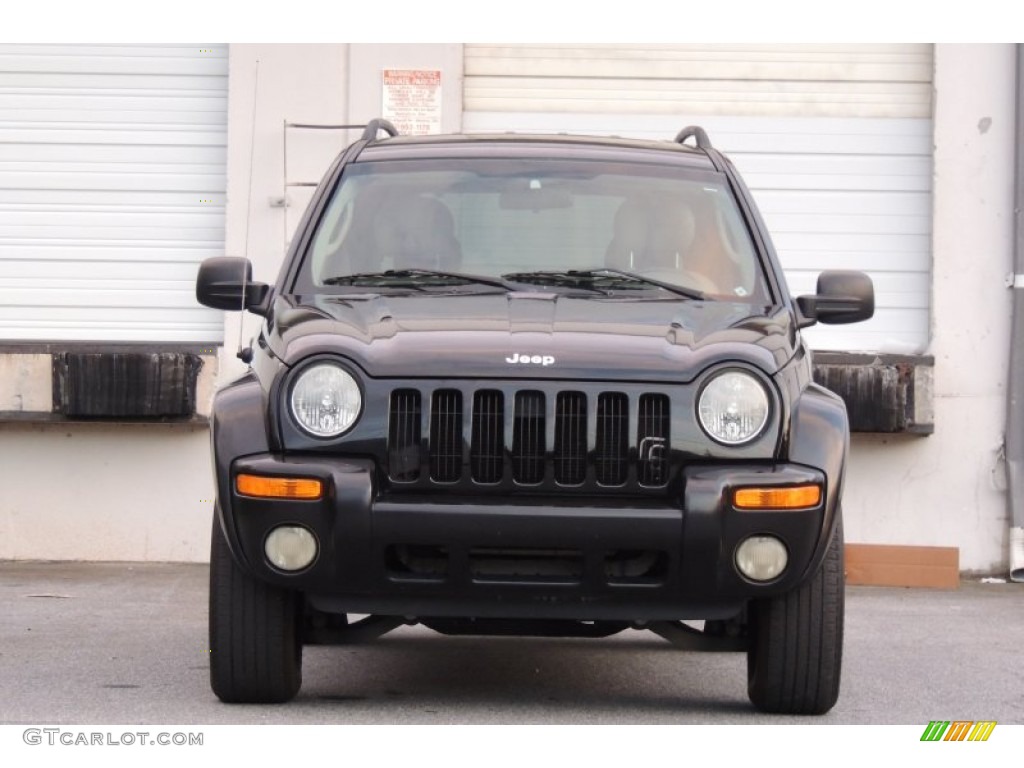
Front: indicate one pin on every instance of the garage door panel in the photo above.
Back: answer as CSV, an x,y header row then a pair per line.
x,y
868,261
844,203
114,154
142,294
735,135
112,190
848,224
112,251
137,324
128,60
107,133
171,219
719,98
718,62
15,271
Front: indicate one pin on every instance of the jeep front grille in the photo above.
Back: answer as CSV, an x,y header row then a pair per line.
x,y
528,437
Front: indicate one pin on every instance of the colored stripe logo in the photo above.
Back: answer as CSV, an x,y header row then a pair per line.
x,y
958,730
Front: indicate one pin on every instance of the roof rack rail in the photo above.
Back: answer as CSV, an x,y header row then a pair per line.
x,y
375,126
694,131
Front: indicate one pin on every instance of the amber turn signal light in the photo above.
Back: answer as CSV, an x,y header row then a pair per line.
x,y
797,497
279,487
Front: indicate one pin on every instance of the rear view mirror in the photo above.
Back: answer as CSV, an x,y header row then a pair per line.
x,y
843,296
533,195
225,282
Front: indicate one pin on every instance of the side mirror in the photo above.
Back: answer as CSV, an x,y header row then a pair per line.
x,y
225,282
843,296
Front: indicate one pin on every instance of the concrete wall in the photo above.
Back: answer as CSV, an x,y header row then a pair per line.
x,y
95,492
949,489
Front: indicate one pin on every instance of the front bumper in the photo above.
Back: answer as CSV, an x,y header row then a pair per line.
x,y
569,557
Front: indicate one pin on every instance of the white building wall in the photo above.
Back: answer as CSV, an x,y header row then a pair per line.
x,y
98,492
949,489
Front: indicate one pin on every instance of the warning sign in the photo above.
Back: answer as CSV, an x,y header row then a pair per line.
x,y
412,100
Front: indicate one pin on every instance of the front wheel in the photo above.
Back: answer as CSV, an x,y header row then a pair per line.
x,y
255,639
796,642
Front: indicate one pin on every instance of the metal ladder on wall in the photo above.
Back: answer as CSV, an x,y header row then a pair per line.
x,y
369,130
284,201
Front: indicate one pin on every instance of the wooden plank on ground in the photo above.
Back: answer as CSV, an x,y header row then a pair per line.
x,y
884,565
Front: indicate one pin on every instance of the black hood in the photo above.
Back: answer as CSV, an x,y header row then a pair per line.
x,y
530,335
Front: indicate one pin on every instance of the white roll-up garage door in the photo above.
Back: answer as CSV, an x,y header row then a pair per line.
x,y
112,187
834,141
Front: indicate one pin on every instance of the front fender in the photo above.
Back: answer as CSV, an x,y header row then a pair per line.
x,y
820,438
238,428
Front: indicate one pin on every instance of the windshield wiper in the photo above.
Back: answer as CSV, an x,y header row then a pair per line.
x,y
417,278
553,277
590,278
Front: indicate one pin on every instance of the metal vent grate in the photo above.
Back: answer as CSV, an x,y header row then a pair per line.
x,y
611,456
487,447
404,427
528,438
446,436
652,440
570,438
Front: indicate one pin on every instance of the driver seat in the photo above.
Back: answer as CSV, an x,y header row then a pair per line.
x,y
416,232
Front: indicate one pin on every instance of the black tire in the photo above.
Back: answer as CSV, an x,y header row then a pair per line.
x,y
796,642
255,640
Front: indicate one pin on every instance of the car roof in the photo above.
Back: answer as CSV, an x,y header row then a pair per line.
x,y
539,146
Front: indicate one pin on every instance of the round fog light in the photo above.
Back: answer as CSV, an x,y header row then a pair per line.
x,y
761,558
290,547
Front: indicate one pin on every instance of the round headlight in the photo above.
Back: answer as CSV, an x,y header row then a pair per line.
x,y
325,400
733,408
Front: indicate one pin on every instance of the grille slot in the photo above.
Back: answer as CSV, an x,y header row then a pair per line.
x,y
487,447
522,564
652,440
404,428
611,458
571,438
528,438
446,436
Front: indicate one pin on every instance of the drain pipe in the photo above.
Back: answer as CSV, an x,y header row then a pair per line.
x,y
1015,404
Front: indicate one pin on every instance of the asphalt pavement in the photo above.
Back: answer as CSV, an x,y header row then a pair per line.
x,y
91,643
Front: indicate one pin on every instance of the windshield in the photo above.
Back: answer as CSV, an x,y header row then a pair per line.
x,y
605,228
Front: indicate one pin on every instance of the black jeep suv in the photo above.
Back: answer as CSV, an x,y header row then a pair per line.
x,y
537,385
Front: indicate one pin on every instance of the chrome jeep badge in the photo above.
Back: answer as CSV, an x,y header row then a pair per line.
x,y
530,359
